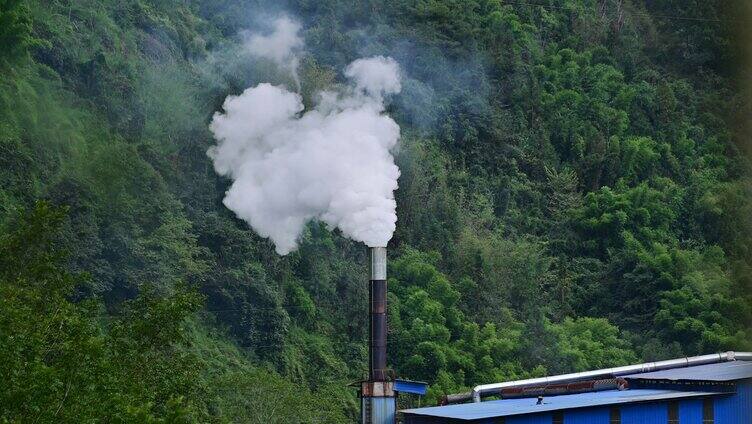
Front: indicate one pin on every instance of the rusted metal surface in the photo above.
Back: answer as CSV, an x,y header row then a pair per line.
x,y
378,371
378,401
378,324
455,398
544,390
377,388
560,389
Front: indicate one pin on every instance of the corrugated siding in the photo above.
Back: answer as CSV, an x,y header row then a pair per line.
x,y
587,416
529,419
735,409
645,413
690,411
382,409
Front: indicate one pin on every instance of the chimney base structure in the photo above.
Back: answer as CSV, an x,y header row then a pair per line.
x,y
378,401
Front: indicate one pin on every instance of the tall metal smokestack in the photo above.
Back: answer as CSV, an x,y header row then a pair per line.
x,y
377,301
378,402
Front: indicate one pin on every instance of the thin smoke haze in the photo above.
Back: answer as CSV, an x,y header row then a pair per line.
x,y
282,45
332,163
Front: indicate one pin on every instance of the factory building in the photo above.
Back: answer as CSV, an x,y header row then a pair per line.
x,y
709,389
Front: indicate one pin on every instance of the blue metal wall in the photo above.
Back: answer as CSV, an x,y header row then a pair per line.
x,y
690,411
529,419
383,410
645,413
587,416
735,409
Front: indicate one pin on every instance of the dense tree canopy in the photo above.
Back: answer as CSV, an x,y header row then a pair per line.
x,y
573,195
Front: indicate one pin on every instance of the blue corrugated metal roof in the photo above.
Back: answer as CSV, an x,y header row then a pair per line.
x,y
408,386
724,371
507,407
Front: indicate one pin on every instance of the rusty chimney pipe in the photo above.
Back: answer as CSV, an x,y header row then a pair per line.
x,y
377,299
377,395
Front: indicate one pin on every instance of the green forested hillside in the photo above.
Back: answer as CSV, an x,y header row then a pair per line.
x,y
575,193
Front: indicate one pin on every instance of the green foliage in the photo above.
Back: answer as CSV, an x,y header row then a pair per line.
x,y
704,322
590,343
507,274
239,392
131,373
66,361
434,341
572,196
15,30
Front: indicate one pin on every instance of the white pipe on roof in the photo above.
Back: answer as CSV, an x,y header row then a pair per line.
x,y
482,389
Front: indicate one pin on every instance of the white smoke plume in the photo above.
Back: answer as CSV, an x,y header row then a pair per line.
x,y
332,163
282,46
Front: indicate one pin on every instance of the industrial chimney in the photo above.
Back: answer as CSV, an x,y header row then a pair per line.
x,y
378,402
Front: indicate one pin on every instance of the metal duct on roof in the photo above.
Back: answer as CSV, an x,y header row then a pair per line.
x,y
495,388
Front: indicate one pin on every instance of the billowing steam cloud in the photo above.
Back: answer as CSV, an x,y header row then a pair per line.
x,y
331,163
282,46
